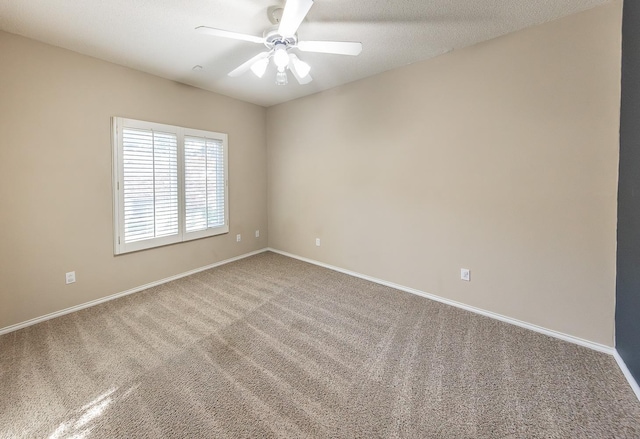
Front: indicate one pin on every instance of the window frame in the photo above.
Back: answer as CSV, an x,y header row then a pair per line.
x,y
119,245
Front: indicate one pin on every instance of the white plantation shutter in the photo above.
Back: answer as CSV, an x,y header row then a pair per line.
x,y
204,183
170,184
150,184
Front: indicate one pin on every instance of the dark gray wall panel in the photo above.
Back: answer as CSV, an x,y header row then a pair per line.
x,y
628,262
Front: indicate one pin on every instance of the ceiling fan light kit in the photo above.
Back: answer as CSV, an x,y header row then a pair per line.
x,y
281,40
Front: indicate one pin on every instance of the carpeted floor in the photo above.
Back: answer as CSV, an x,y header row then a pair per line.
x,y
273,347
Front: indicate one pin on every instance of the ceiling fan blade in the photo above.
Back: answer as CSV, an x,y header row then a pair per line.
x,y
294,13
247,65
335,47
228,34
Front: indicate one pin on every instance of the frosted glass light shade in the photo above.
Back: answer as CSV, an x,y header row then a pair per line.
x,y
260,66
281,57
301,67
281,78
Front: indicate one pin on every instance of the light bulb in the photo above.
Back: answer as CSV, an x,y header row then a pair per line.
x,y
281,77
260,66
281,57
302,68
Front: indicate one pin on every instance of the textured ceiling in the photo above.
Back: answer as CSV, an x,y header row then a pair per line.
x,y
157,36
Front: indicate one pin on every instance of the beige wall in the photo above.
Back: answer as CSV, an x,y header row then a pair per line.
x,y
55,176
501,158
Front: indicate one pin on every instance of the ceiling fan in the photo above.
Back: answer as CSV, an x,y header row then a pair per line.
x,y
279,41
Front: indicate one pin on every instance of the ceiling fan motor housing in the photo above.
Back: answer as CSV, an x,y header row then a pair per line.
x,y
272,37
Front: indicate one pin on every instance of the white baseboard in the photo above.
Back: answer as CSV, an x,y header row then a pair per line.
x,y
570,338
53,315
627,374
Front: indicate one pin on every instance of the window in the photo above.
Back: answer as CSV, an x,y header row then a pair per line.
x,y
170,184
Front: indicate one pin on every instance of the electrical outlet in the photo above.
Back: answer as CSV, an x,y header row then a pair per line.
x,y
465,274
70,277
317,242
238,237
257,233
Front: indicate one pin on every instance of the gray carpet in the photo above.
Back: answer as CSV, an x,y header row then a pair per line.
x,y
273,347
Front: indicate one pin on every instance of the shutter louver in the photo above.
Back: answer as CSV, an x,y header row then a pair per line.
x,y
204,183
150,179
